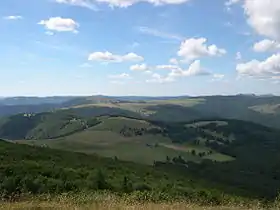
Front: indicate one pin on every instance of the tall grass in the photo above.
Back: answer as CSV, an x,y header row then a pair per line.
x,y
102,201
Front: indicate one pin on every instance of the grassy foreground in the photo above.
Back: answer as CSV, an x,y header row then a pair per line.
x,y
101,201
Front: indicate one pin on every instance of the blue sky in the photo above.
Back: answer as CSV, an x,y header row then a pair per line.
x,y
139,47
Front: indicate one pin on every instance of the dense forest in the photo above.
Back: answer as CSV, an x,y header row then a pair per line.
x,y
26,169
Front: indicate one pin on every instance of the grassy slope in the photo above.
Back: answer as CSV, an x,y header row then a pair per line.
x,y
267,108
42,170
43,125
140,107
101,201
263,110
105,139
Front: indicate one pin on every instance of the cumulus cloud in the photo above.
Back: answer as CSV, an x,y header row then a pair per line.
x,y
157,78
60,24
267,69
127,3
192,49
157,33
110,57
85,65
91,4
139,67
168,67
195,69
49,33
266,45
174,61
13,17
238,56
120,76
81,3
218,76
230,3
117,82
264,17
135,45
148,72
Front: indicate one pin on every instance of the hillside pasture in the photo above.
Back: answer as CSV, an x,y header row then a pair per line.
x,y
141,149
266,108
142,107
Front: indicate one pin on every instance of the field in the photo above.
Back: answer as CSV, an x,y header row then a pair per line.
x,y
142,107
178,157
43,176
110,144
102,201
267,108
107,140
202,123
219,157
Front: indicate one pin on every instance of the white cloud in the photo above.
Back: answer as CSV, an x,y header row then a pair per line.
x,y
109,57
174,61
135,45
139,67
148,72
85,65
231,2
194,69
117,82
229,24
91,4
168,67
193,48
120,76
60,24
269,68
218,76
13,17
157,33
157,78
127,3
264,17
49,33
238,56
81,3
266,45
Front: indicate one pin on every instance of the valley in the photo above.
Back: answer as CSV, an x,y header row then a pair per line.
x,y
170,139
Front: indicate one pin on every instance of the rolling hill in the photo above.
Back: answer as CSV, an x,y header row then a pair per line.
x,y
183,136
31,171
258,109
139,139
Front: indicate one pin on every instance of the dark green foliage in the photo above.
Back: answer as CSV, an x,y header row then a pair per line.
x,y
36,170
44,125
193,152
173,113
100,181
127,185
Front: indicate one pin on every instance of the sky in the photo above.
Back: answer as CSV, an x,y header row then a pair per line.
x,y
139,47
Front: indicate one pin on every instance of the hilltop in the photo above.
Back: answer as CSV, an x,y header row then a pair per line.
x,y
259,109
